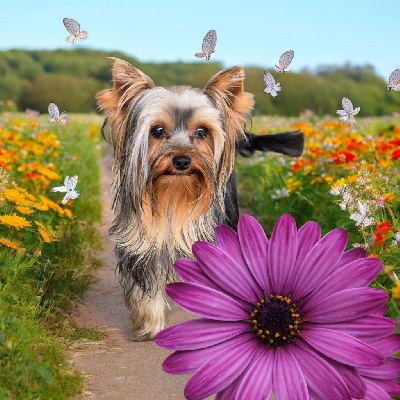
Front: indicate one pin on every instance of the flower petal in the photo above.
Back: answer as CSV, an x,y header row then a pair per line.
x,y
347,349
205,302
392,386
288,379
353,380
185,362
230,391
359,273
190,271
226,272
389,370
322,379
198,333
387,345
257,383
219,372
347,304
282,252
228,241
308,235
254,245
366,328
319,262
375,392
352,255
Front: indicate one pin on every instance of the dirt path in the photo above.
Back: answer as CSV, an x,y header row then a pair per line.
x,y
116,368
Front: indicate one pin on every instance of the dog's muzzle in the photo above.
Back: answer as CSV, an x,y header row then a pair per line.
x,y
181,163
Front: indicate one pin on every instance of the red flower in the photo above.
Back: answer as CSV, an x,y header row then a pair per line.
x,y
299,164
383,227
344,156
396,154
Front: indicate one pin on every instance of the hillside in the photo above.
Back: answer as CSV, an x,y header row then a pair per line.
x,y
70,78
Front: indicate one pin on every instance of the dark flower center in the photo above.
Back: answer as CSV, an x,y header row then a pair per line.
x,y
276,320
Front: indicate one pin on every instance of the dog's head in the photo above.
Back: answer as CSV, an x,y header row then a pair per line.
x,y
173,144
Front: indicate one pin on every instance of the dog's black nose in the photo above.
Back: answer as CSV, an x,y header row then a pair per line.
x,y
181,162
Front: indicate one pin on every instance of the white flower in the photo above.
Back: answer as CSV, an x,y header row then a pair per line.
x,y
362,217
280,193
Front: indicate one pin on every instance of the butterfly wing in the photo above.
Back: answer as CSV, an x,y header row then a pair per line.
x,y
200,55
285,59
356,111
62,119
59,189
268,79
394,79
53,110
71,183
347,105
71,194
72,26
209,42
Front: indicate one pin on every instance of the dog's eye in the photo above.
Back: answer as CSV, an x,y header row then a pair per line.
x,y
201,132
158,131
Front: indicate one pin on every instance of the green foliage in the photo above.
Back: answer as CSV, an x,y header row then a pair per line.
x,y
72,77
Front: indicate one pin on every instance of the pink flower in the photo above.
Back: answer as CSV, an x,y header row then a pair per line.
x,y
292,315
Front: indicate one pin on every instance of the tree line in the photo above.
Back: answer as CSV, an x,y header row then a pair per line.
x,y
70,78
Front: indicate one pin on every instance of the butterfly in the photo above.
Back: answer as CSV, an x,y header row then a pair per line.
x,y
394,81
55,115
347,114
69,187
209,43
284,61
75,30
272,87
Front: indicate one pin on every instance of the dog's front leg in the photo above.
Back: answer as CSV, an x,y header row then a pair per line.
x,y
147,314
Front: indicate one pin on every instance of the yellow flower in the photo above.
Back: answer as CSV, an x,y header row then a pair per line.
x,y
352,178
49,203
329,178
339,183
48,173
317,179
25,192
14,220
292,184
44,233
15,196
24,210
396,291
68,213
38,206
7,243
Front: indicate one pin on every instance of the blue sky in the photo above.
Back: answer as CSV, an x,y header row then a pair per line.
x,y
249,32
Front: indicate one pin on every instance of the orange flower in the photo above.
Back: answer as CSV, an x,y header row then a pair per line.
x,y
389,197
7,243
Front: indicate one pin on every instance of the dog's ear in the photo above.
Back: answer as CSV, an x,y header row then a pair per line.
x,y
226,89
226,92
128,83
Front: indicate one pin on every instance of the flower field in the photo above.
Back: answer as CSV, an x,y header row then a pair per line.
x,y
347,177
44,250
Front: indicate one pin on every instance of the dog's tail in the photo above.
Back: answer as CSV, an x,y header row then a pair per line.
x,y
288,143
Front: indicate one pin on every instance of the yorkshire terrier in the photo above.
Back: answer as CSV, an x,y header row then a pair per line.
x,y
173,175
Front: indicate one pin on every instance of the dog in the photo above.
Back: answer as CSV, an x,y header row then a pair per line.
x,y
173,176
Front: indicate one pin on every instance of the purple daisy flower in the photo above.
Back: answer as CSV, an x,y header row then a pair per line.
x,y
292,316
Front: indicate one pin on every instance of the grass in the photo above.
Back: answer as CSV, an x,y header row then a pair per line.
x,y
36,289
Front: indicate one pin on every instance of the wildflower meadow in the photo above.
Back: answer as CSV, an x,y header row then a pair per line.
x,y
44,251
